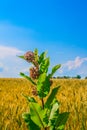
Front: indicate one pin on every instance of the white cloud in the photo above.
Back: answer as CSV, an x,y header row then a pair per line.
x,y
6,51
73,64
1,67
10,64
20,37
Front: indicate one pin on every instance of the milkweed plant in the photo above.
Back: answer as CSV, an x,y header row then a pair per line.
x,y
42,115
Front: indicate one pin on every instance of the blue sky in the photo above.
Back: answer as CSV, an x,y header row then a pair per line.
x,y
59,26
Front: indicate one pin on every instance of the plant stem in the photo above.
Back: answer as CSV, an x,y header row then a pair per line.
x,y
43,108
42,103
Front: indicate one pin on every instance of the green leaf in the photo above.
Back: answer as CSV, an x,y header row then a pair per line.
x,y
44,65
45,117
27,77
22,57
42,57
36,55
43,85
53,114
51,96
36,114
30,124
61,120
61,127
54,69
29,99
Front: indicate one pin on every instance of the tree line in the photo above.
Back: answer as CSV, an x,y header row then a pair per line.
x,y
69,77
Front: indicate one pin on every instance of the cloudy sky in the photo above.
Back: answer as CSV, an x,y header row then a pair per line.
x,y
59,26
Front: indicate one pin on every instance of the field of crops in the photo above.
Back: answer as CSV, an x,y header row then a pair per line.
x,y
72,96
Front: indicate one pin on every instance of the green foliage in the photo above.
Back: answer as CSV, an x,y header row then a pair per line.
x,y
44,65
54,69
42,57
61,120
29,99
43,85
53,114
36,55
30,124
27,77
51,96
45,116
22,57
36,113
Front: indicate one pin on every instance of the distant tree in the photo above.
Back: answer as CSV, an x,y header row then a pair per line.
x,y
78,77
63,77
66,77
54,77
58,77
86,77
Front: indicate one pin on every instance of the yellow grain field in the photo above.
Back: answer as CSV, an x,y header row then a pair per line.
x,y
72,96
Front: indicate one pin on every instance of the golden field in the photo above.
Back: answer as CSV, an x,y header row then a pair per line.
x,y
72,96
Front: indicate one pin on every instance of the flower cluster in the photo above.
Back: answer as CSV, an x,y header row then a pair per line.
x,y
29,56
34,71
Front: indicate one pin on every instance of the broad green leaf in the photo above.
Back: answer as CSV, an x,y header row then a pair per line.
x,y
44,65
27,77
43,85
42,57
53,114
51,96
36,114
54,69
45,117
61,120
30,124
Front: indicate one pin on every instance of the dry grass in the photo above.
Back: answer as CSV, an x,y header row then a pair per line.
x,y
72,96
